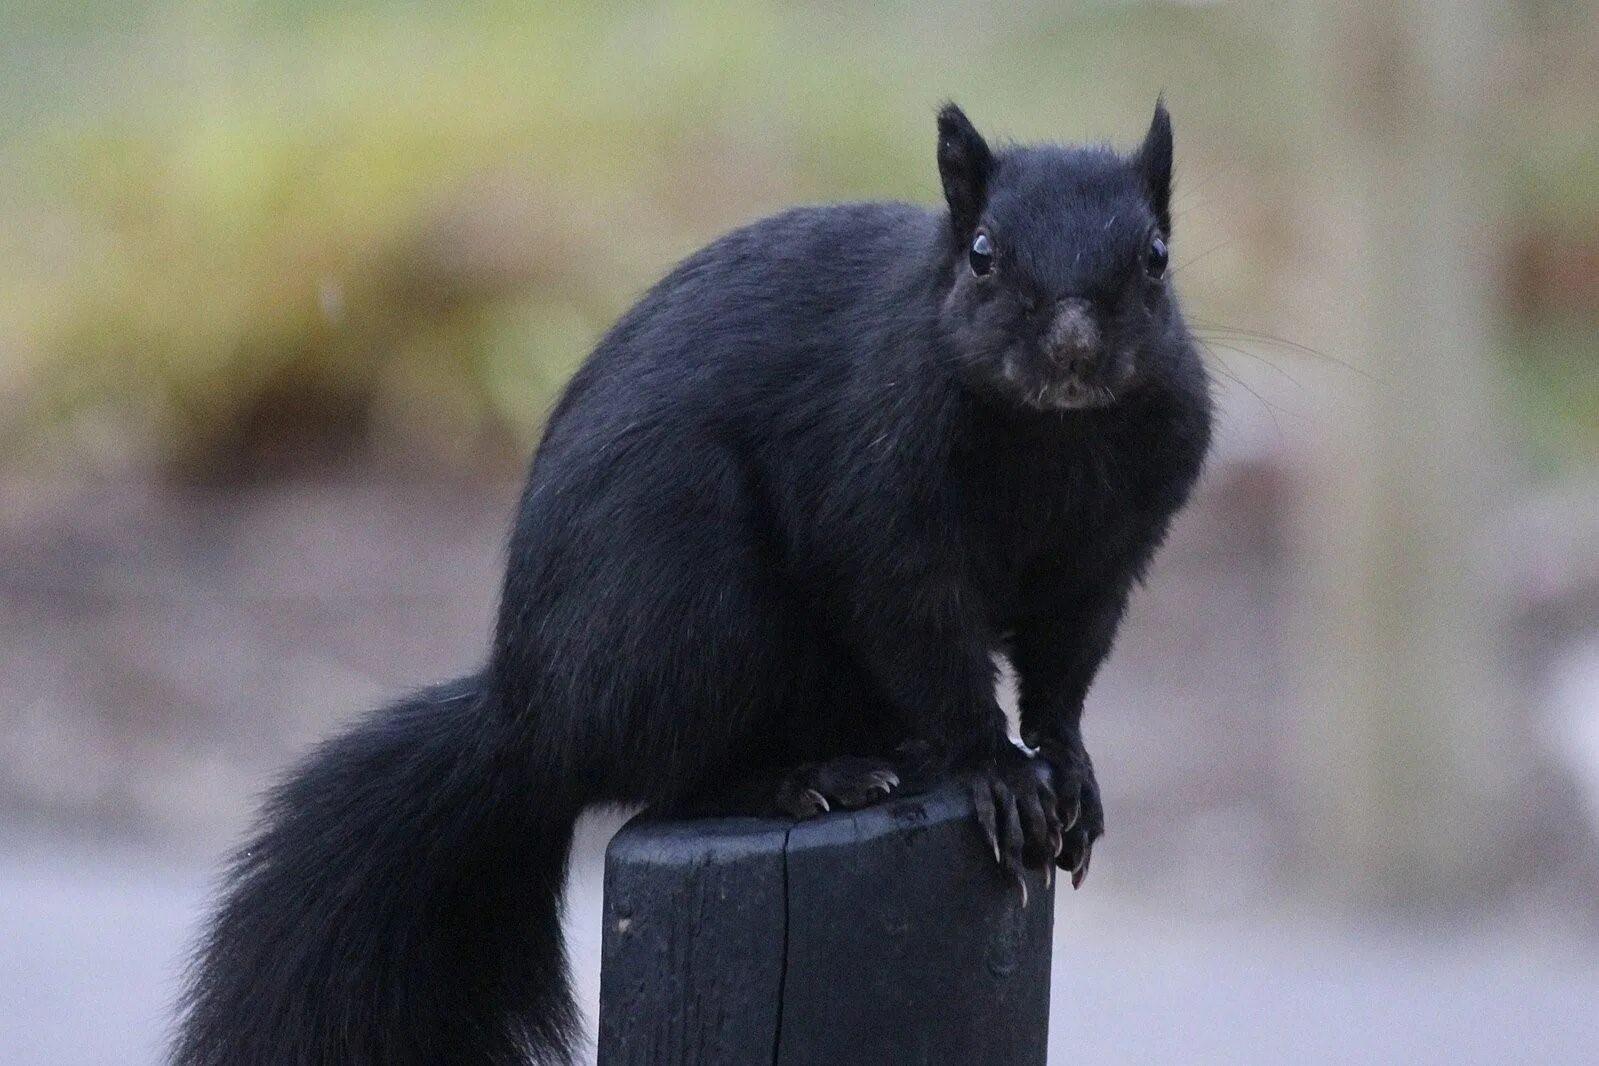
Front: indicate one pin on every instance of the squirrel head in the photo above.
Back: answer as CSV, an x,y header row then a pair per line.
x,y
1057,291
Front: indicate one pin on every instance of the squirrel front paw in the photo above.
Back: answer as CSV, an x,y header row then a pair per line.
x,y
1019,815
1082,816
1040,811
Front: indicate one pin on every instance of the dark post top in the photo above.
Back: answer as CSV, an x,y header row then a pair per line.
x,y
882,936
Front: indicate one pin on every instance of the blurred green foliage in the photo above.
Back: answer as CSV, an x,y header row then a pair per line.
x,y
232,230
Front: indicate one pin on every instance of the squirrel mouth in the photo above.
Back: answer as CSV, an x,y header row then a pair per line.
x,y
1070,395
1064,390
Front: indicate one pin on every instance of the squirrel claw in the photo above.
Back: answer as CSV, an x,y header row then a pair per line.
x,y
1080,871
844,783
1072,819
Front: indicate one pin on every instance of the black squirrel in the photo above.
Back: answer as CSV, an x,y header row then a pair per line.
x,y
778,525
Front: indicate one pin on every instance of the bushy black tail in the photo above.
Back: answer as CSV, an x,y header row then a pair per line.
x,y
400,904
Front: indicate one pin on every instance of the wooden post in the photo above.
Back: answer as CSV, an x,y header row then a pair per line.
x,y
883,935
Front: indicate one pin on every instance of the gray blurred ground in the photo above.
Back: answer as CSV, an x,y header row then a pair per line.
x,y
163,653
91,935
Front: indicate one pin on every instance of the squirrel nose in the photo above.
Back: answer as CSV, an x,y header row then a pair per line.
x,y
1073,337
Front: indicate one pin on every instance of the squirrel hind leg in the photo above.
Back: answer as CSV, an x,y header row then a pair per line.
x,y
848,782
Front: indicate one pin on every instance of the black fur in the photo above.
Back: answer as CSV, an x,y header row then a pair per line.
x,y
786,511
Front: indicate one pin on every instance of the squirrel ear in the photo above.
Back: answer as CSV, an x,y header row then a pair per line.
x,y
1153,161
964,165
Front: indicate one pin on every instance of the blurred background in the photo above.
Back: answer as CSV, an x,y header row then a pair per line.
x,y
286,288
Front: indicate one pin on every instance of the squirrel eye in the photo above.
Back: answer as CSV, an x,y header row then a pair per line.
x,y
1155,259
981,255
